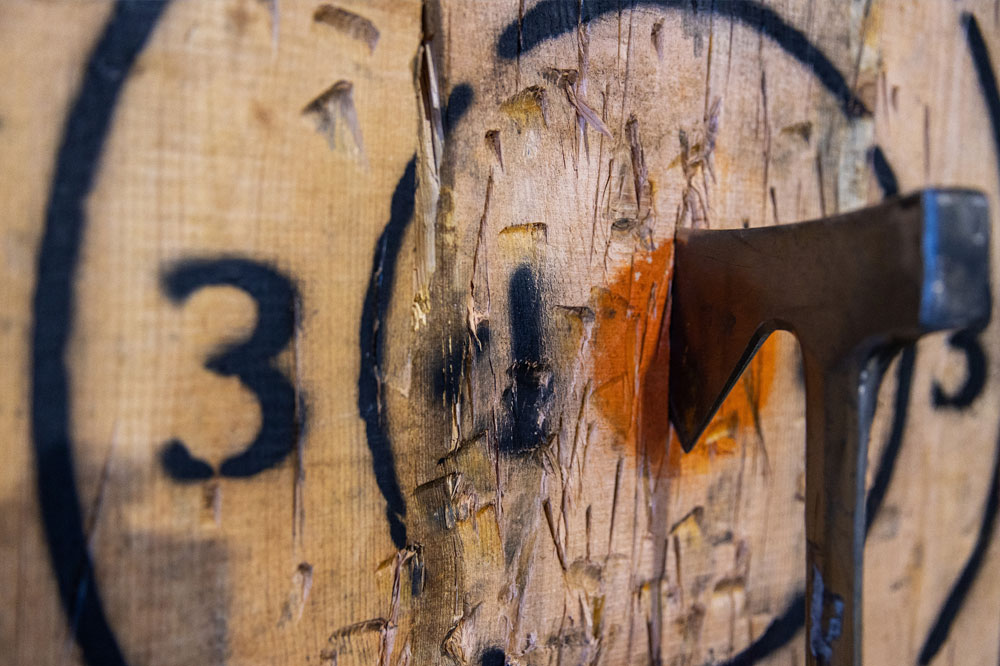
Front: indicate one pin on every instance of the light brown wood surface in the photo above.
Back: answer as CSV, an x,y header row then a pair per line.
x,y
279,132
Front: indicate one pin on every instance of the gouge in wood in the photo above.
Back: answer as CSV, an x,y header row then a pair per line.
x,y
852,289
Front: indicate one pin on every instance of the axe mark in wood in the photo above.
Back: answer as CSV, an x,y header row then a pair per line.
x,y
852,288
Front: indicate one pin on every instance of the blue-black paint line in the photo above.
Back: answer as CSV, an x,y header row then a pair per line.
x,y
372,338
371,331
551,18
529,391
459,102
883,172
936,637
181,466
525,308
985,75
967,342
894,444
76,166
493,657
778,634
251,360
938,634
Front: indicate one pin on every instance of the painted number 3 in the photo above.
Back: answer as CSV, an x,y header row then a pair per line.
x,y
251,360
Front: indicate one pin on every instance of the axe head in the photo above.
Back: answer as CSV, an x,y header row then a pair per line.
x,y
845,286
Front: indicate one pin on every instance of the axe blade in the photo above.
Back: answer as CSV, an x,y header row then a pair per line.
x,y
852,288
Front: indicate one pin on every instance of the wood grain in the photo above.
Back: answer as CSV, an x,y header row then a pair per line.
x,y
472,207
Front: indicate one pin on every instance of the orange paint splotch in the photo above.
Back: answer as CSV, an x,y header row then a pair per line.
x,y
631,365
739,415
628,315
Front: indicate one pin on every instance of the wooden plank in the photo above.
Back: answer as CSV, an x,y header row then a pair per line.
x,y
214,151
428,247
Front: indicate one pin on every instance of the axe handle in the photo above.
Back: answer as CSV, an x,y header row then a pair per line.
x,y
840,404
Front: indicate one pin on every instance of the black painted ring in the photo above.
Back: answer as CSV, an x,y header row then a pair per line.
x,y
76,167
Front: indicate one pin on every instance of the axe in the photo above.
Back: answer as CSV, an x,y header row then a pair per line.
x,y
852,289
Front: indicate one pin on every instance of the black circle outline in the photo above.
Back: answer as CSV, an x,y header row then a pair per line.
x,y
76,167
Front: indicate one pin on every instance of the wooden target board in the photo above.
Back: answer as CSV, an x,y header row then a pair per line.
x,y
331,331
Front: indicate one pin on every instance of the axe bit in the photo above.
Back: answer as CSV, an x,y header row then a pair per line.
x,y
853,289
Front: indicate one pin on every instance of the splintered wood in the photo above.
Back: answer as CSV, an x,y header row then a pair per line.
x,y
332,330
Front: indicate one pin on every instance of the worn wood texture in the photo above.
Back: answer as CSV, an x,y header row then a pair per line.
x,y
419,256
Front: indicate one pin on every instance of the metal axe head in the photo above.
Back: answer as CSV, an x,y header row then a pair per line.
x,y
844,286
848,287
